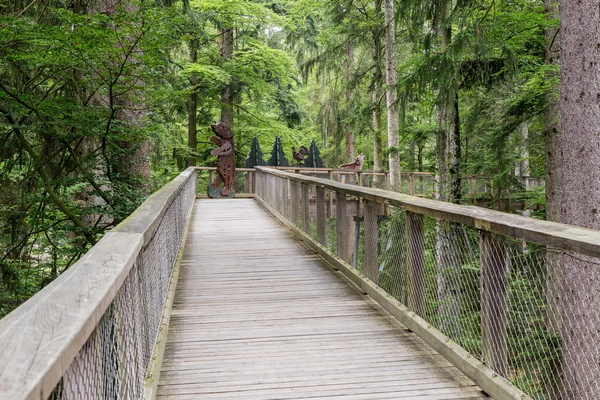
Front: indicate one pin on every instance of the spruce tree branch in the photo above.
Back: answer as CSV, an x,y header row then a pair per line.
x,y
28,235
23,11
46,181
87,175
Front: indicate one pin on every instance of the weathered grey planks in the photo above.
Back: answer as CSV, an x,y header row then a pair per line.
x,y
257,316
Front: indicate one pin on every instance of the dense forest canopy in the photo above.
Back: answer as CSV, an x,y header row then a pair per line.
x,y
103,101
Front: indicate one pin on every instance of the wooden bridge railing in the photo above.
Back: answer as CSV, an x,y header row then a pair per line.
x,y
420,184
91,333
488,290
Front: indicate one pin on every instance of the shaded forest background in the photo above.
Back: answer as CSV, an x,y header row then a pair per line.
x,y
104,101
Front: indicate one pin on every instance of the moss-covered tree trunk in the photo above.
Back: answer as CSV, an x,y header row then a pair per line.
x,y
348,126
376,98
448,163
193,107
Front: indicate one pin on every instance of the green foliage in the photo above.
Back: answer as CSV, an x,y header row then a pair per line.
x,y
76,132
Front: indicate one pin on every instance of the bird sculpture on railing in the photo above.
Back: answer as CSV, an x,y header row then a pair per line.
x,y
299,155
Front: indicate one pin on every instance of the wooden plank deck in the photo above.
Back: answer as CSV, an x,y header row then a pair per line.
x,y
257,316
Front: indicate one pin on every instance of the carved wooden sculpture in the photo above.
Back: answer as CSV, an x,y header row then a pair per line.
x,y
356,165
225,163
299,155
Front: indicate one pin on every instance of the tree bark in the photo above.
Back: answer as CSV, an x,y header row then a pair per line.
x,y
193,107
553,169
580,197
391,93
227,93
377,94
448,188
348,127
554,287
552,120
522,164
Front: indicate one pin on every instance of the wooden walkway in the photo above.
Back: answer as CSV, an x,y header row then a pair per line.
x,y
257,316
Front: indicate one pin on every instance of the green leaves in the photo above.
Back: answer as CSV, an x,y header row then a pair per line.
x,y
237,13
207,75
258,66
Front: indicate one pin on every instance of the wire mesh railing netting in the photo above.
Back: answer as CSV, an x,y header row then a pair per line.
x,y
113,362
504,300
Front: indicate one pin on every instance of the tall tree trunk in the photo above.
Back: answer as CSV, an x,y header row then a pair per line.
x,y
377,139
193,107
448,156
391,93
454,144
376,95
522,164
134,165
554,287
227,93
552,120
448,162
580,197
553,167
348,127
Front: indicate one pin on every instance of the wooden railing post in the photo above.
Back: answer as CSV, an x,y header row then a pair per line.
x,y
295,200
258,178
341,226
305,209
321,218
281,196
286,197
411,184
330,199
371,267
493,301
247,182
415,238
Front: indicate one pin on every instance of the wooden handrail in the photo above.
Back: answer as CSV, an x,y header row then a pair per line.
x,y
40,339
323,171
561,236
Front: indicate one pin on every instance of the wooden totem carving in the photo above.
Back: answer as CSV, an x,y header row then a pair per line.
x,y
225,161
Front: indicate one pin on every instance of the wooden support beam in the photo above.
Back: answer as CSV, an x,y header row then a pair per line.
x,y
321,218
416,262
295,200
493,302
371,240
341,226
330,198
305,209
